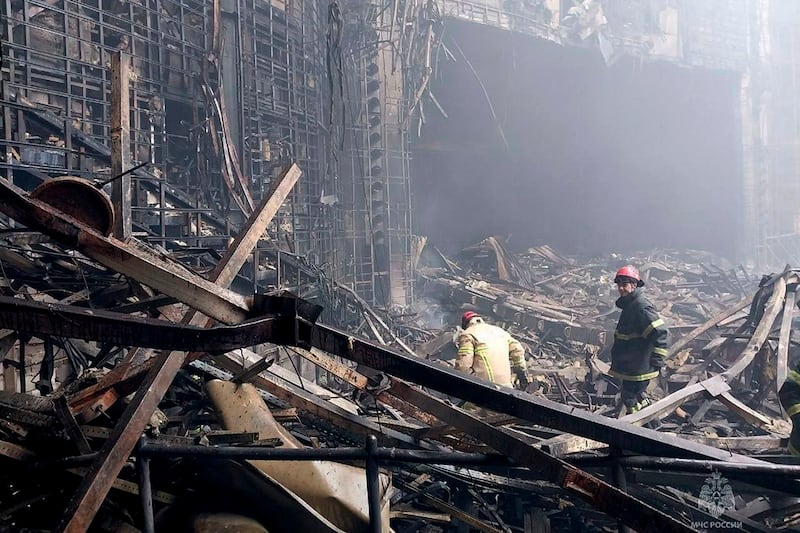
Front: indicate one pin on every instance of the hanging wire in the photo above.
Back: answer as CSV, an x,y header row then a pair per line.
x,y
7,280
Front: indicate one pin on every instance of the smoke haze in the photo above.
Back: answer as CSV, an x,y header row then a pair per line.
x,y
622,157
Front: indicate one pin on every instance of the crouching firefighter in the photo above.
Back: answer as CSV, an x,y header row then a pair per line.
x,y
489,352
790,400
640,340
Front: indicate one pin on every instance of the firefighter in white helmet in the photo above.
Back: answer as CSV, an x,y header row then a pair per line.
x,y
489,352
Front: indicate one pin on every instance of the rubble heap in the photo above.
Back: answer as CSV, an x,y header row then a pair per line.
x,y
165,400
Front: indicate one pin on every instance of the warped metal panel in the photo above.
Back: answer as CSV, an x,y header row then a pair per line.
x,y
337,491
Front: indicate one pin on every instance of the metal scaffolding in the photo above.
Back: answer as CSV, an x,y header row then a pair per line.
x,y
220,102
376,193
778,156
56,58
281,108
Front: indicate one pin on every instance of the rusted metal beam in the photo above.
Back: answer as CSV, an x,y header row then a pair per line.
x,y
362,382
71,425
100,476
90,494
599,494
125,378
534,409
132,258
120,143
124,330
322,409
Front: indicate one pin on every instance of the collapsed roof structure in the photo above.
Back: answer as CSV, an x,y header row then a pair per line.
x,y
215,312
387,381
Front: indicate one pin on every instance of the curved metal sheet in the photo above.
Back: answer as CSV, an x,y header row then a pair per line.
x,y
337,491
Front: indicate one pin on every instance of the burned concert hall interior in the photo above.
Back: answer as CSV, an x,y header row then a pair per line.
x,y
408,266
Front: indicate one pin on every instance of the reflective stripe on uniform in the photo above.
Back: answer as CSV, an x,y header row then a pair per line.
x,y
480,351
640,377
792,449
794,377
653,325
639,406
516,354
793,410
660,351
626,337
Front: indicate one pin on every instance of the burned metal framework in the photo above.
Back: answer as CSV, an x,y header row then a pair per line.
x,y
282,80
274,49
56,56
381,372
299,329
375,196
220,103
774,85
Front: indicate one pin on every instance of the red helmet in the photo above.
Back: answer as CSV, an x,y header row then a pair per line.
x,y
466,317
629,271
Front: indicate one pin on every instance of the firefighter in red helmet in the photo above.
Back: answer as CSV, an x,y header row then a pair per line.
x,y
489,352
640,340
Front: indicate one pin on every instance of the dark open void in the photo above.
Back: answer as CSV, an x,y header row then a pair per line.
x,y
632,156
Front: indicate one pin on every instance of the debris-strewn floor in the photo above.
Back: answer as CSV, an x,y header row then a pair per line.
x,y
80,434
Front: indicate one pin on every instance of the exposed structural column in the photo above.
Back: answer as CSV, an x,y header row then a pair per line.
x,y
377,208
748,244
754,128
770,106
389,193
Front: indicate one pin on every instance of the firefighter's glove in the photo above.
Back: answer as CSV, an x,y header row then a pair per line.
x,y
522,380
656,362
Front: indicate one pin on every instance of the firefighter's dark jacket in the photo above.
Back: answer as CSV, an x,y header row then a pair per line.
x,y
640,341
790,392
790,400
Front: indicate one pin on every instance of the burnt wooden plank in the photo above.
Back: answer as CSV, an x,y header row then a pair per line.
x,y
120,143
71,425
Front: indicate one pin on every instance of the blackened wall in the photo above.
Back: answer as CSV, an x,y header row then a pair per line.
x,y
598,158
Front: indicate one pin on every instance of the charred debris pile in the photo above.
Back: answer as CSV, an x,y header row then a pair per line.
x,y
142,393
